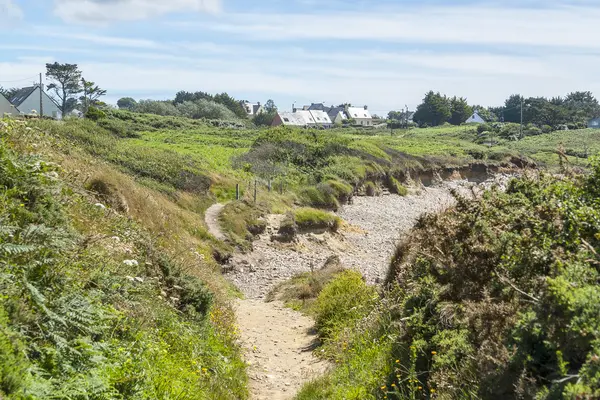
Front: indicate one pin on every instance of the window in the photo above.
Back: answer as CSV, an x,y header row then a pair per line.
x,y
356,115
366,116
286,119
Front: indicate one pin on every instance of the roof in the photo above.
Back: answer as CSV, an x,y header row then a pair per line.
x,y
289,118
334,111
318,107
305,117
256,108
355,112
18,98
320,117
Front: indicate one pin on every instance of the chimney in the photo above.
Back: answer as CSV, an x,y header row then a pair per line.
x,y
294,109
366,108
258,103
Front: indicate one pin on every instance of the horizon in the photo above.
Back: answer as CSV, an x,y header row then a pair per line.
x,y
384,54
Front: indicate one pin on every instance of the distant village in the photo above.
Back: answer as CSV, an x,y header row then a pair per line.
x,y
34,101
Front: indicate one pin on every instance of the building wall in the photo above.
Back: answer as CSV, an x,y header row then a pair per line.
x,y
475,119
33,103
6,107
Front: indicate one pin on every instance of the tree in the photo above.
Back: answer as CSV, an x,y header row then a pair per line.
x,y
264,119
66,85
8,93
512,108
582,106
460,110
270,107
91,94
126,103
434,111
232,104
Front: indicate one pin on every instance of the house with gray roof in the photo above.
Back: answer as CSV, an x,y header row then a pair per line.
x,y
6,107
27,100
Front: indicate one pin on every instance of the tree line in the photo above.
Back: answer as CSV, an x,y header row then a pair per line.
x,y
197,105
572,111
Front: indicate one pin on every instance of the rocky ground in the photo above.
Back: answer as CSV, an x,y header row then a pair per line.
x,y
366,243
278,340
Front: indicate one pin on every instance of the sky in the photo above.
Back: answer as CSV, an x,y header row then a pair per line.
x,y
382,53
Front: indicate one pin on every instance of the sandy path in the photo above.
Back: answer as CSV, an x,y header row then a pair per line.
x,y
279,349
212,220
277,340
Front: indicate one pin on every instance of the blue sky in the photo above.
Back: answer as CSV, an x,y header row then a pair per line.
x,y
384,53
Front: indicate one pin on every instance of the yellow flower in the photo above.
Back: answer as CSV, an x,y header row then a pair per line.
x,y
398,376
393,385
420,388
397,361
434,352
204,370
432,390
383,388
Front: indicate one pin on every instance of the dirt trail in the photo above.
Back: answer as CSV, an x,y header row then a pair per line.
x,y
212,220
279,344
278,341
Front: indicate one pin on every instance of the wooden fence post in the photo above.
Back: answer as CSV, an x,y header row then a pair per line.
x,y
255,191
237,191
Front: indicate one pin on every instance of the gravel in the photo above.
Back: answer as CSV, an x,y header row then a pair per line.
x,y
376,225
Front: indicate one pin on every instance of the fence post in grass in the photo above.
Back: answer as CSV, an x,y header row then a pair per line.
x,y
270,186
255,190
237,191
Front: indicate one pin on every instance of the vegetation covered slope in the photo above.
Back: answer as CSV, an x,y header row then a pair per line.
x,y
96,305
494,299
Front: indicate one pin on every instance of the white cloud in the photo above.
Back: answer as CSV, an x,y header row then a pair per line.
x,y
561,26
104,11
9,12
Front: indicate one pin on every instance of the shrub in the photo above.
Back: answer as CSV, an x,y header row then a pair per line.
x,y
321,196
341,190
302,290
343,301
309,219
396,187
95,114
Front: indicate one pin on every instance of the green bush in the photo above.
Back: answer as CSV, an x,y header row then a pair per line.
x,y
95,114
343,301
396,187
310,218
322,196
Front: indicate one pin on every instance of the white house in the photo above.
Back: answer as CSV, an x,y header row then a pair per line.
x,y
362,116
6,107
305,118
253,109
27,100
475,119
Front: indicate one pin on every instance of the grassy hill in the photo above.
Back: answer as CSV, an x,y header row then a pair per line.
x,y
110,282
109,287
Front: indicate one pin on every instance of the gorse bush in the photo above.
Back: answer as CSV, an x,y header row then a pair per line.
x,y
495,298
343,301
